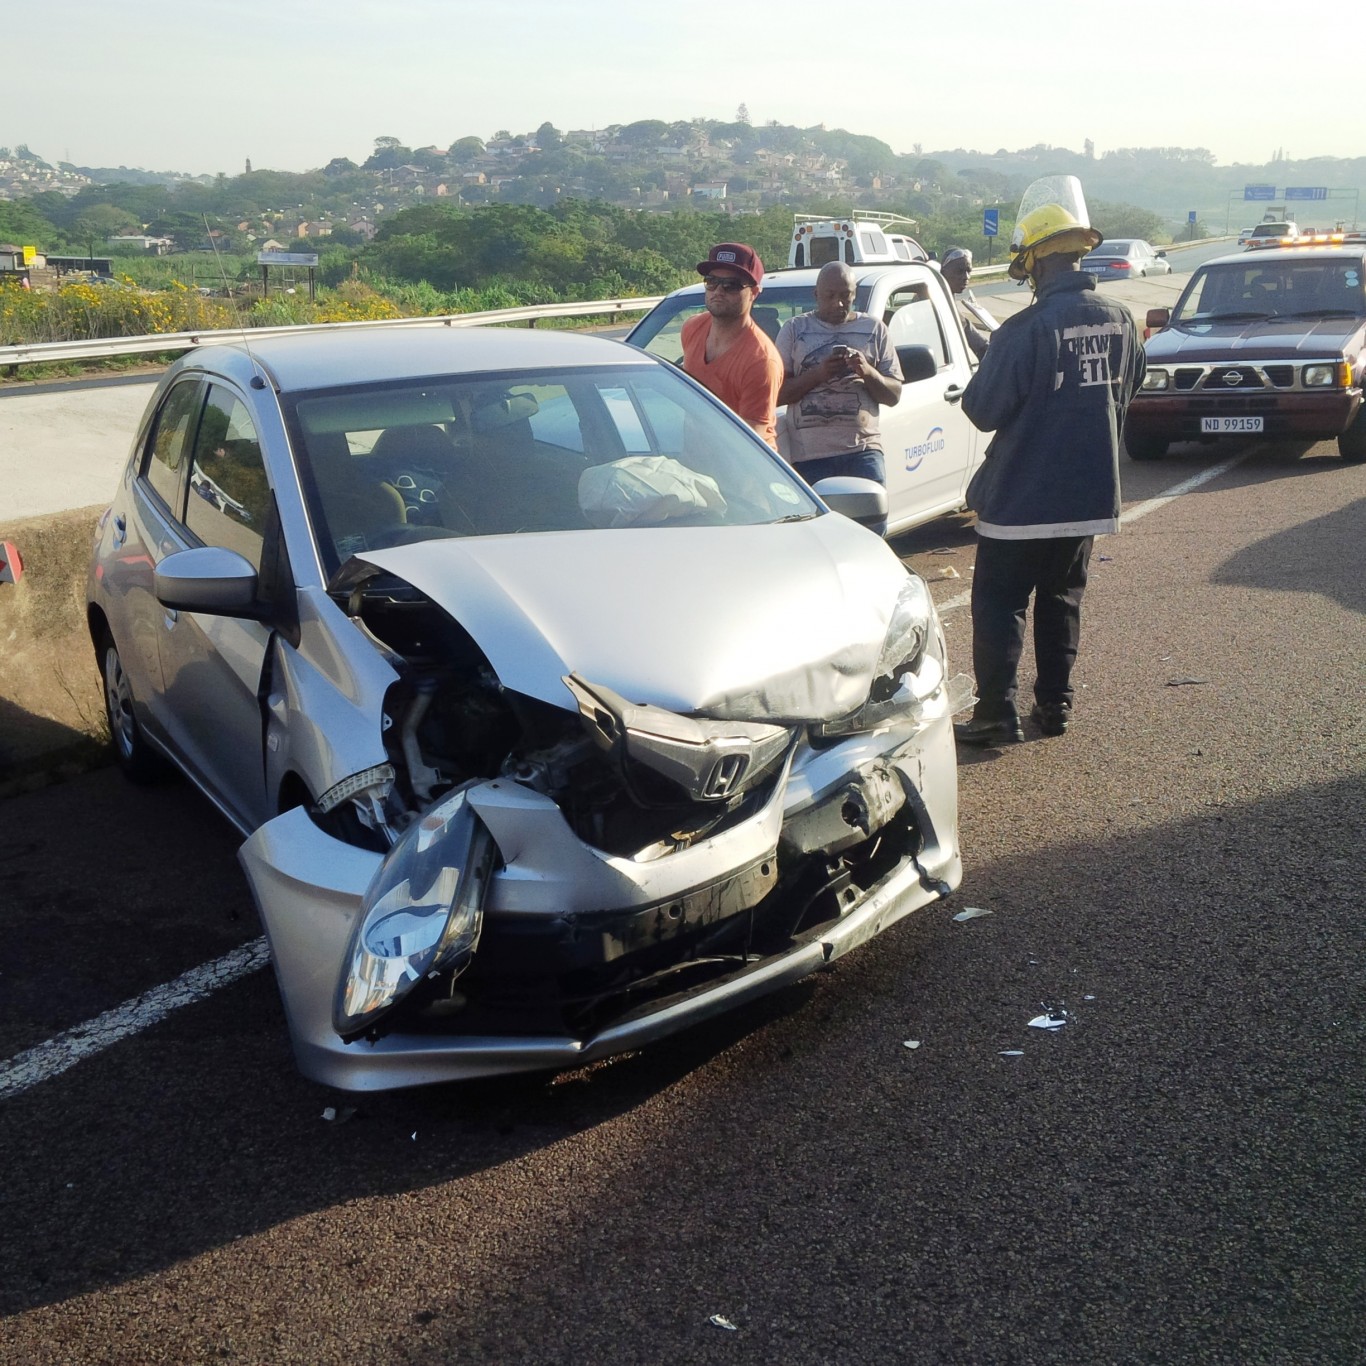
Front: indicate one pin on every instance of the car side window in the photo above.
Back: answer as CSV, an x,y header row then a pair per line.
x,y
912,321
229,493
171,435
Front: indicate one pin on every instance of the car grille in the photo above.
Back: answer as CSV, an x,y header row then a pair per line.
x,y
1222,379
1233,377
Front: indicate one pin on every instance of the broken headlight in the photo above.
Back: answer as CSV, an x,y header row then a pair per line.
x,y
909,669
421,916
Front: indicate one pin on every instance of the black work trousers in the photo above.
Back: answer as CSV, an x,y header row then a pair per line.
x,y
1006,573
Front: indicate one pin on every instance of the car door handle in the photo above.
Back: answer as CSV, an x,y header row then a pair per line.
x,y
120,530
954,392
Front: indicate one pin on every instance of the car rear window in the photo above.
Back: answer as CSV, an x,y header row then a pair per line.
x,y
660,332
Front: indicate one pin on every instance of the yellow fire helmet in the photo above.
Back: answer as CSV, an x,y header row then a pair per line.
x,y
1046,231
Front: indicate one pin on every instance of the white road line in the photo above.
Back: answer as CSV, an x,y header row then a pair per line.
x,y
1134,514
1185,486
53,1057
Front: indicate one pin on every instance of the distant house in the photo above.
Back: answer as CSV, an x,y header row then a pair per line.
x,y
153,246
709,189
364,228
307,229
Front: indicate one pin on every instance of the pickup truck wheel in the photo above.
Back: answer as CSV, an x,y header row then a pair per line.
x,y
1352,443
140,763
1145,447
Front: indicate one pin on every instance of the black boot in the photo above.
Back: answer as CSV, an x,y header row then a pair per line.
x,y
1005,730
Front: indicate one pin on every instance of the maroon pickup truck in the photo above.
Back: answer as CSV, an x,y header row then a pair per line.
x,y
1269,343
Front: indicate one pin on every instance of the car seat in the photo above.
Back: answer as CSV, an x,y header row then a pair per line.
x,y
361,510
767,318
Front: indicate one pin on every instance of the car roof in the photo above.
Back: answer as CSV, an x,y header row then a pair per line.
x,y
313,360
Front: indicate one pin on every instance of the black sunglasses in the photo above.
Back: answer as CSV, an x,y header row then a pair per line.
x,y
726,283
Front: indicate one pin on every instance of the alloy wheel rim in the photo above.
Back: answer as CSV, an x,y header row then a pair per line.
x,y
120,700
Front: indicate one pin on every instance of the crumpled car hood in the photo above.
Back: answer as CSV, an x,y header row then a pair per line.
x,y
769,623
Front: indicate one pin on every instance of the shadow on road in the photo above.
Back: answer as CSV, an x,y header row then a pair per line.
x,y
1305,559
1201,1111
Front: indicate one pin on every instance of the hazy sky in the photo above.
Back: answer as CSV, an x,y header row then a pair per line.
x,y
201,87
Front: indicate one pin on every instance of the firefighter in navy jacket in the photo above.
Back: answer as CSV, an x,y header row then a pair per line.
x,y
1053,386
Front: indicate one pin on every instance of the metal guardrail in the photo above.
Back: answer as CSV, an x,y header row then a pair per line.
x,y
32,353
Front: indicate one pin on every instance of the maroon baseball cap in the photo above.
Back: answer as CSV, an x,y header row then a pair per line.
x,y
744,258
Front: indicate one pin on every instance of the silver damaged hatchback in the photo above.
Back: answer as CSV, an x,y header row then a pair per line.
x,y
557,712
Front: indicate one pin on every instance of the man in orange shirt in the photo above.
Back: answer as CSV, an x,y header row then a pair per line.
x,y
725,350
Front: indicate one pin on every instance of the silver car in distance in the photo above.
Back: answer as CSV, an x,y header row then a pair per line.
x,y
558,713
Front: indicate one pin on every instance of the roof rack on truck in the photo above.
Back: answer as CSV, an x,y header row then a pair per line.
x,y
860,238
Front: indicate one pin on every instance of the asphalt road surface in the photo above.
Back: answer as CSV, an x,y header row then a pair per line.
x,y
1172,1176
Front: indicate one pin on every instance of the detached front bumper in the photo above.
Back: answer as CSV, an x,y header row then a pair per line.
x,y
1176,417
584,955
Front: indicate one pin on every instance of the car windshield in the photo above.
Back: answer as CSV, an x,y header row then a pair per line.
x,y
484,455
1267,289
659,332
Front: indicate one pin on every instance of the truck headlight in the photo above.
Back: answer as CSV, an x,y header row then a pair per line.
x,y
1156,379
421,915
909,669
1327,375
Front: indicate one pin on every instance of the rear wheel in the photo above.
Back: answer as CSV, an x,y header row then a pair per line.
x,y
139,762
1145,447
1352,443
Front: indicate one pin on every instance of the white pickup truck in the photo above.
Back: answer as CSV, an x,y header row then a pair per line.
x,y
931,449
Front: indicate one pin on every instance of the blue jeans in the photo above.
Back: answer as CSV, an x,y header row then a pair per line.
x,y
864,464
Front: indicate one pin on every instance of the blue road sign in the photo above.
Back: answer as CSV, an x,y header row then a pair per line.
x,y
1259,192
1306,191
991,222
1190,217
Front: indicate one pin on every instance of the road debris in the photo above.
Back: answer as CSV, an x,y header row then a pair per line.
x,y
721,1321
339,1115
1052,1019
1011,1053
972,912
1185,682
910,1043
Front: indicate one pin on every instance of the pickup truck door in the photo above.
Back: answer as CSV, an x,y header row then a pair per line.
x,y
930,447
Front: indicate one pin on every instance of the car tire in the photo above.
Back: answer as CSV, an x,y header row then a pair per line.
x,y
140,763
1352,443
1145,447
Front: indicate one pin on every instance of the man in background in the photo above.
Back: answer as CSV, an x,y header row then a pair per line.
x,y
839,367
724,349
978,324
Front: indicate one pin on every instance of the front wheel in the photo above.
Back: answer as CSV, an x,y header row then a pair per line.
x,y
1352,443
1145,447
140,763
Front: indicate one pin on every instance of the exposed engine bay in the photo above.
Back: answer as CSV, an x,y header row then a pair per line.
x,y
632,781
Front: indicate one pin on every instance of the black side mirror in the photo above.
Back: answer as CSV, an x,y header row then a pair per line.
x,y
917,362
